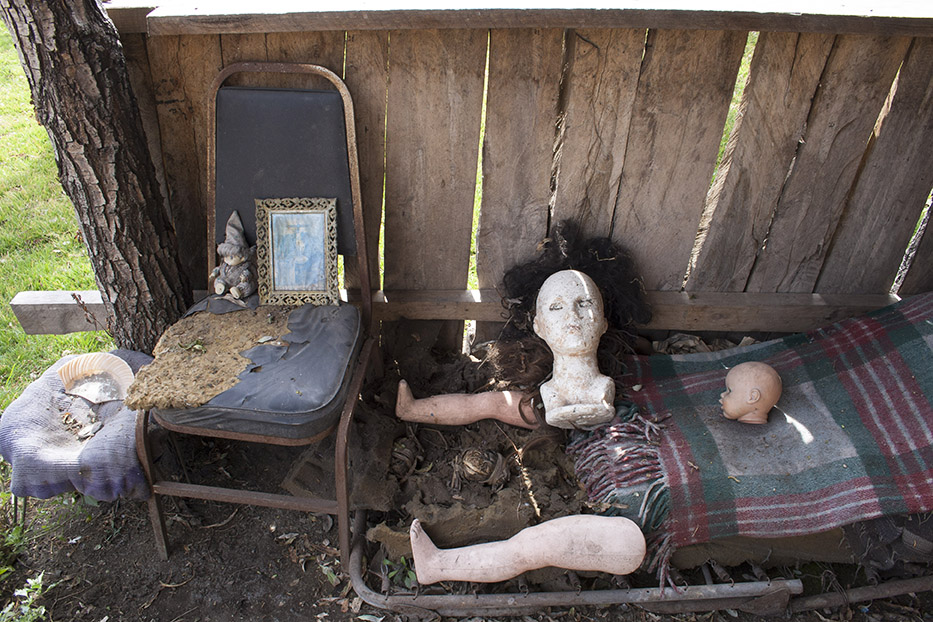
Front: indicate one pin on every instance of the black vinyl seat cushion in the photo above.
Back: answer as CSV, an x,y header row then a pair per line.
x,y
295,391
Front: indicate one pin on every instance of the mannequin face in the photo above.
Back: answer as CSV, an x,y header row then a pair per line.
x,y
569,313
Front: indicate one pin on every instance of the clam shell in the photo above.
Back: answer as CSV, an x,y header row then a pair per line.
x,y
97,377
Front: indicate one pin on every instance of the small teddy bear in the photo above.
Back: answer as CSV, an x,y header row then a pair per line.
x,y
235,274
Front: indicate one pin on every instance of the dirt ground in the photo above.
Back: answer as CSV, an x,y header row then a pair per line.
x,y
247,563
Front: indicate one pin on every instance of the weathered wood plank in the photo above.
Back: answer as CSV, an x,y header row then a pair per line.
x,y
238,48
182,71
432,137
853,88
680,108
58,313
905,17
784,74
129,16
919,277
518,148
892,188
752,312
367,59
434,105
600,86
702,311
318,48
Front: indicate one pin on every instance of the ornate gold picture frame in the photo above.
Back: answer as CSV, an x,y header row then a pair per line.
x,y
296,249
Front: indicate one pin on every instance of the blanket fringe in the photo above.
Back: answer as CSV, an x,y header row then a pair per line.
x,y
619,462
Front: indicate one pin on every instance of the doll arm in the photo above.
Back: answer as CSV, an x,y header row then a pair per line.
x,y
462,408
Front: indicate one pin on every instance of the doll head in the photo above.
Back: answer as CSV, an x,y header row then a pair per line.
x,y
235,259
752,390
234,250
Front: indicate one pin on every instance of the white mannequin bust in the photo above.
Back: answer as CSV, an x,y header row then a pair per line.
x,y
569,317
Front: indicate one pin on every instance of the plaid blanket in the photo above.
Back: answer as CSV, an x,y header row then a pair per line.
x,y
850,439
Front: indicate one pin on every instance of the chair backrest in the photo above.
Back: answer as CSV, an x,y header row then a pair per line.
x,y
280,143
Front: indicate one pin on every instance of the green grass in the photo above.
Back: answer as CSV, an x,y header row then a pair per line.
x,y
740,82
40,243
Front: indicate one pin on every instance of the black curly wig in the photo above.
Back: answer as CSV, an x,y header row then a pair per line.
x,y
522,359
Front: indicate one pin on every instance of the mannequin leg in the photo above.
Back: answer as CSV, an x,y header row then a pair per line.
x,y
581,542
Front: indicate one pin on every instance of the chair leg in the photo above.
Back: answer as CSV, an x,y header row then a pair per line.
x,y
173,439
158,525
144,453
341,454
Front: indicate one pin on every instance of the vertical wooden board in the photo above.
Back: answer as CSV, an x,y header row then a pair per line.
x,y
241,48
600,86
919,278
784,74
892,187
855,83
432,136
238,48
367,58
318,48
518,148
683,97
434,109
183,68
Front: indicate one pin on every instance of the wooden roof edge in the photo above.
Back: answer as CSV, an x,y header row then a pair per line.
x,y
237,16
129,16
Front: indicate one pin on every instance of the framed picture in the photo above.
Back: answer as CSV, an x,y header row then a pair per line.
x,y
296,249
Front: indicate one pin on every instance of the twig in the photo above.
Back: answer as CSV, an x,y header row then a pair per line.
x,y
176,619
91,319
229,518
441,434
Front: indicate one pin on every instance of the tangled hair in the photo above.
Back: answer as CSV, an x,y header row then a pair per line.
x,y
520,357
608,264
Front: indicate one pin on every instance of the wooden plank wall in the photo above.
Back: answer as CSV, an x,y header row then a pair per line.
x,y
823,180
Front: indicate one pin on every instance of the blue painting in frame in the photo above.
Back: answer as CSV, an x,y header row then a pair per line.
x,y
296,240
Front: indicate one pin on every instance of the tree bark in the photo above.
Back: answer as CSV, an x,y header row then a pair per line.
x,y
77,73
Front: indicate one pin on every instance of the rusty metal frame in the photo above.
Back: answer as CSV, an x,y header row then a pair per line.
x,y
759,597
352,155
775,597
340,504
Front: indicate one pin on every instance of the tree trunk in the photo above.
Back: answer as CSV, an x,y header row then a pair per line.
x,y
80,87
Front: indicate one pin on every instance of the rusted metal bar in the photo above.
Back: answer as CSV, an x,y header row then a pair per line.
x,y
341,451
245,497
860,594
771,603
517,603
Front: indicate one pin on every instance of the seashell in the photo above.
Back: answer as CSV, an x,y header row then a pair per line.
x,y
97,377
90,430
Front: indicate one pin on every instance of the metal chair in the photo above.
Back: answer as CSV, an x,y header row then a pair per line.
x,y
280,143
